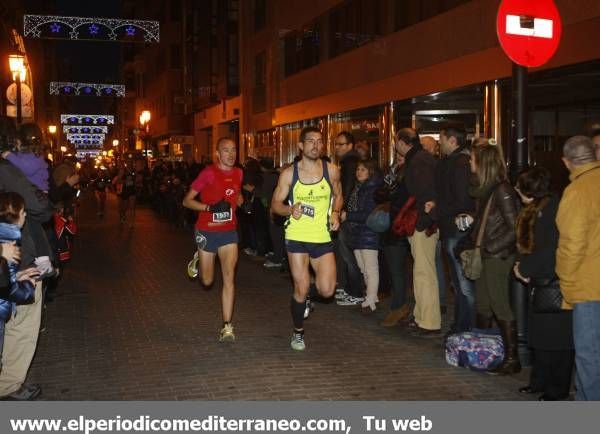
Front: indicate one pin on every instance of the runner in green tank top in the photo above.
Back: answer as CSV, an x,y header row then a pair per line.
x,y
312,188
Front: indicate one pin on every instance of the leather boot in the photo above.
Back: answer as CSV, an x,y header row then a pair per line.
x,y
483,321
396,315
510,364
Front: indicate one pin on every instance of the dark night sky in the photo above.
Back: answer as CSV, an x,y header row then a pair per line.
x,y
86,61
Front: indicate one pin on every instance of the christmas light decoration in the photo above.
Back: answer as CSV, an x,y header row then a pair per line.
x,y
71,119
76,129
94,28
69,88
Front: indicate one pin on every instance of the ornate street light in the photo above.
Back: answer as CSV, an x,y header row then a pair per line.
x,y
145,117
16,63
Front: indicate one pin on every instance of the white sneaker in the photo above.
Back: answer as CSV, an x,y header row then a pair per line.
x,y
270,264
308,309
340,294
297,342
350,301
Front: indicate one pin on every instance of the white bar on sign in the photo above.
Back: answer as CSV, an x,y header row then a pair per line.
x,y
542,28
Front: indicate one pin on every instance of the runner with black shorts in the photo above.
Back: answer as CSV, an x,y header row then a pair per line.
x,y
101,181
314,193
219,187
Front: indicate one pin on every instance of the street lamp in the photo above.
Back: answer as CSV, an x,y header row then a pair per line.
x,y
16,63
145,123
116,142
52,131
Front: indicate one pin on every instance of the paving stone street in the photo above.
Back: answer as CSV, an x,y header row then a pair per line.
x,y
128,324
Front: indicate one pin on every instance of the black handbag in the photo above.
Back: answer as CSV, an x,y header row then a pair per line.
x,y
546,296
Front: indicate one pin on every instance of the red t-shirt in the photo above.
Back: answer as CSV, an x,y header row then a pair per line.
x,y
215,184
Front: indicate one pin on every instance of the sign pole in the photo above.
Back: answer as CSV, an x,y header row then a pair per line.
x,y
18,99
519,161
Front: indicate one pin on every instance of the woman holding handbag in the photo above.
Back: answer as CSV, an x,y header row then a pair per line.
x,y
550,327
493,235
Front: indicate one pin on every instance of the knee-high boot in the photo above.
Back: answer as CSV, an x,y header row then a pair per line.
x,y
510,364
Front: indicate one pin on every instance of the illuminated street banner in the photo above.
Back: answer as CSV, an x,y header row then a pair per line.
x,y
71,119
76,129
90,28
68,88
83,138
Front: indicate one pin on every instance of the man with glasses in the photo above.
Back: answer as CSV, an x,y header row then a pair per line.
x,y
313,191
349,278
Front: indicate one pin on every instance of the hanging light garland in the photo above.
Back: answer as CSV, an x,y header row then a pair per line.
x,y
91,28
76,119
69,88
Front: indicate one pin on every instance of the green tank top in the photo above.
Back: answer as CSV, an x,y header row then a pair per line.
x,y
313,226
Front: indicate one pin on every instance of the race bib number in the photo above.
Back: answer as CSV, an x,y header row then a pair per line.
x,y
308,210
221,217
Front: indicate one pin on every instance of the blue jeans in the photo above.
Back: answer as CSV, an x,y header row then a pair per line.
x,y
1,341
586,334
349,276
464,299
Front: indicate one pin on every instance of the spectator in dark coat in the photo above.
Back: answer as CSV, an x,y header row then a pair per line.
x,y
363,240
550,334
420,182
453,175
348,273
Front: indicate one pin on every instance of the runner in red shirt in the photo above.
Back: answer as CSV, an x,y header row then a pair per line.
x,y
219,187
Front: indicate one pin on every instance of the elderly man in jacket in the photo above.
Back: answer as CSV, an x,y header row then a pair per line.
x,y
420,183
578,260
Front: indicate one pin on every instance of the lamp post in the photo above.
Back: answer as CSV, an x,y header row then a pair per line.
x,y
145,123
63,149
52,132
16,63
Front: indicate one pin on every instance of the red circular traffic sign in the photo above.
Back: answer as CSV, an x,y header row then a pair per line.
x,y
529,31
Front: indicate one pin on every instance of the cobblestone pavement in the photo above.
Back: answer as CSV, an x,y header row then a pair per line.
x,y
128,324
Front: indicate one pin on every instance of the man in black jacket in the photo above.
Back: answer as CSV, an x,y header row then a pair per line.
x,y
420,183
348,274
452,188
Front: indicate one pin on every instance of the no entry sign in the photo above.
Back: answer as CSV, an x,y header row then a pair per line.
x,y
529,30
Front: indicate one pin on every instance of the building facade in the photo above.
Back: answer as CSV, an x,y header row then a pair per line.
x,y
374,66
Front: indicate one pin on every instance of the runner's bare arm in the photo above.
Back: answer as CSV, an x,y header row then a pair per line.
x,y
338,199
189,201
281,193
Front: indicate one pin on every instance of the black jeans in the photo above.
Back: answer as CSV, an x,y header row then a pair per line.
x,y
277,238
349,276
551,372
395,254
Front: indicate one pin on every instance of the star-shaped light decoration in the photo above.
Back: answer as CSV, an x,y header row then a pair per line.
x,y
67,89
55,27
74,34
73,119
87,89
85,130
87,120
108,90
130,31
93,29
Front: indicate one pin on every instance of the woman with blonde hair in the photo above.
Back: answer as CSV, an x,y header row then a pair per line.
x,y
496,212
